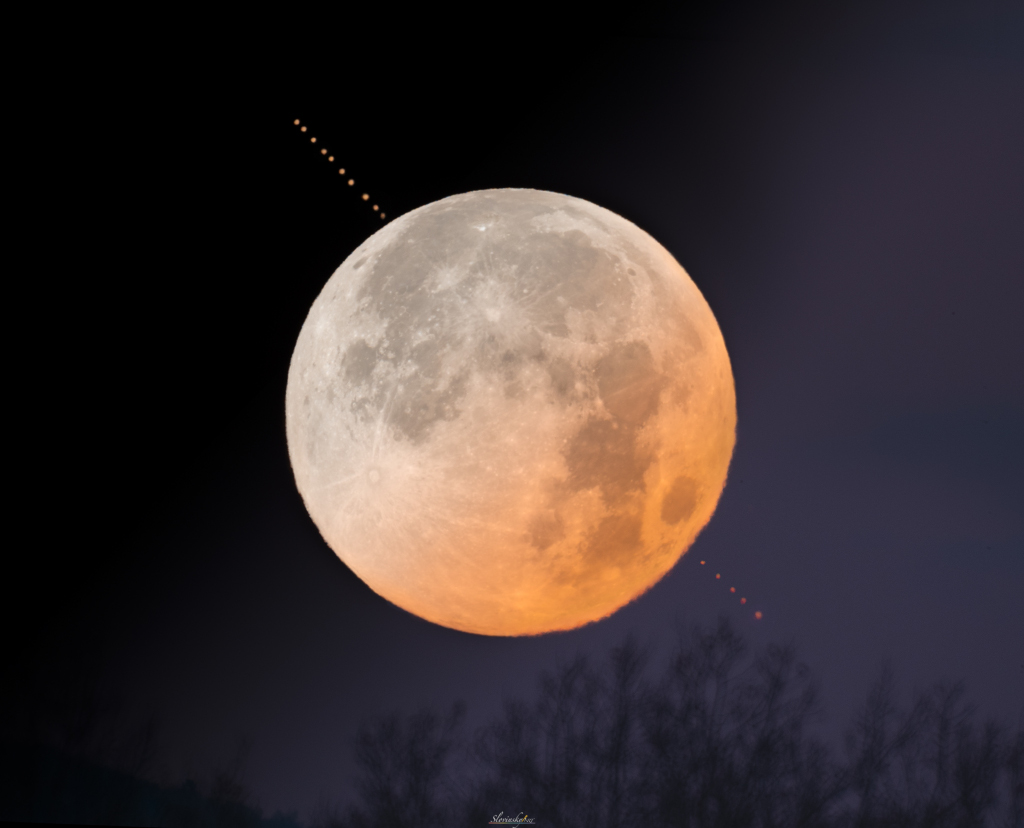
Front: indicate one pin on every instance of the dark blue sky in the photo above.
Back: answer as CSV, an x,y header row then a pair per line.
x,y
847,190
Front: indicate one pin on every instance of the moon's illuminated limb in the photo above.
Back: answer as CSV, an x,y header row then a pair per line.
x,y
510,412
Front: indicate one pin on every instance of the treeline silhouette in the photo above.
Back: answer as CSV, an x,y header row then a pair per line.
x,y
722,739
49,785
69,753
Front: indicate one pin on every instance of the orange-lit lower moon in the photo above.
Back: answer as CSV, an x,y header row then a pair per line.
x,y
510,412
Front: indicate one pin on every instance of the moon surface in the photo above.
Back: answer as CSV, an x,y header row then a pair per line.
x,y
510,412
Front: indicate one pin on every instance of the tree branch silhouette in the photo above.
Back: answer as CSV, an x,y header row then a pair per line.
x,y
722,739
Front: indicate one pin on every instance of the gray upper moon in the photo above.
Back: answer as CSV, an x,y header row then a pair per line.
x,y
510,412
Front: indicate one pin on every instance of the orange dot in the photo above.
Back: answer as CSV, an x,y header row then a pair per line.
x,y
330,157
302,129
732,589
341,171
323,152
312,140
365,197
351,181
382,215
702,563
758,615
743,600
717,576
375,207
296,122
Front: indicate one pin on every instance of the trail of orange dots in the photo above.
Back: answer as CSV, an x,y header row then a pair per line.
x,y
341,170
758,615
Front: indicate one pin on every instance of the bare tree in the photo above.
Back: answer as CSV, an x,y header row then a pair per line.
x,y
573,755
726,739
403,763
1013,796
930,765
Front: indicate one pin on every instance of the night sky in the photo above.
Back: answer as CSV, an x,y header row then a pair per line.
x,y
846,189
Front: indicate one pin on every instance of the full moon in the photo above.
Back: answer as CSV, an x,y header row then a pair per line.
x,y
510,412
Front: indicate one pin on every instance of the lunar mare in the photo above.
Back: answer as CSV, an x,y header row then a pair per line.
x,y
510,412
